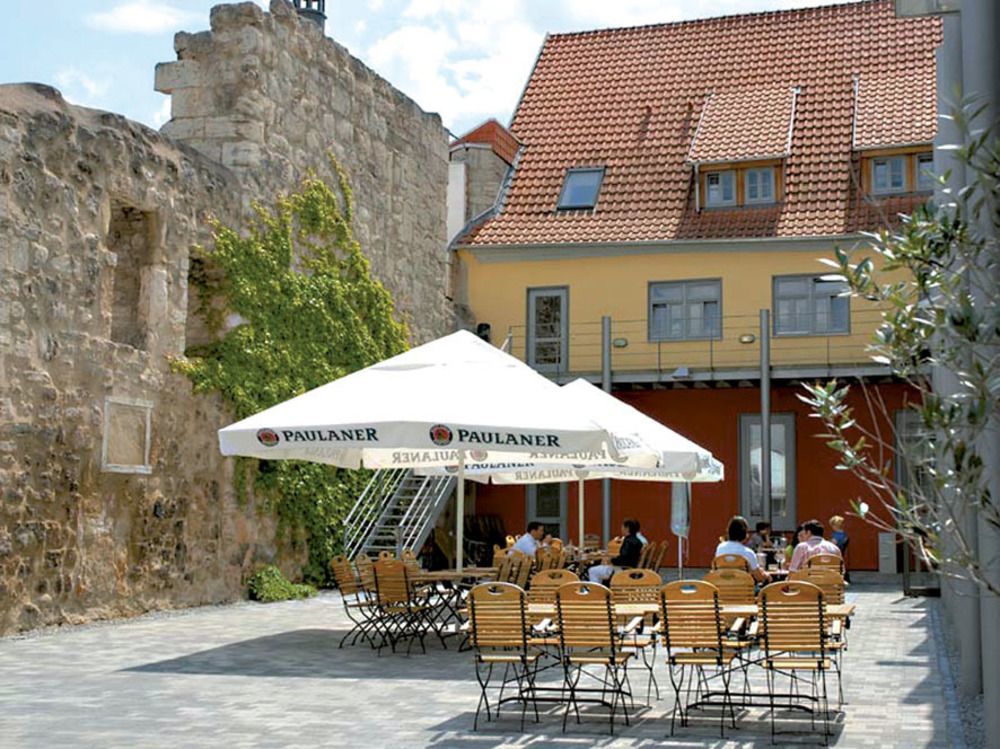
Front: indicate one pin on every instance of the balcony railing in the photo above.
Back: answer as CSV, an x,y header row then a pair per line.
x,y
733,353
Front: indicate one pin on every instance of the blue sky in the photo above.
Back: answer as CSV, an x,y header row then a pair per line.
x,y
466,59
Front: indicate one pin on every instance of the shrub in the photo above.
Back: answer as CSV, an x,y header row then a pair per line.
x,y
268,585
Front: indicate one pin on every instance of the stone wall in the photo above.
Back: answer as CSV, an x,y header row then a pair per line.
x,y
267,95
113,496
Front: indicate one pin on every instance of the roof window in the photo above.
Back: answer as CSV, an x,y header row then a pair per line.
x,y
580,189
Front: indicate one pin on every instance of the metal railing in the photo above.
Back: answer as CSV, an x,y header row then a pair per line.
x,y
423,511
635,347
369,507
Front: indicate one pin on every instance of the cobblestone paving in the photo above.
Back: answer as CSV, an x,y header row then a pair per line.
x,y
271,675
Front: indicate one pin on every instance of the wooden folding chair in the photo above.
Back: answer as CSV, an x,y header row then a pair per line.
x,y
614,546
735,586
657,557
639,586
402,614
828,561
795,639
588,637
731,561
644,554
500,633
357,604
545,583
831,583
694,638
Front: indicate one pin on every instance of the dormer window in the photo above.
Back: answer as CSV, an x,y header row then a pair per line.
x,y
720,188
759,185
580,189
889,175
740,184
898,172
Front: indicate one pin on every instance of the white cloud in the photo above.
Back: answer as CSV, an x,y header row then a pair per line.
x,y
466,60
141,17
161,115
79,88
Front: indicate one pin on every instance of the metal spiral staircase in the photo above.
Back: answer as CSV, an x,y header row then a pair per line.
x,y
397,510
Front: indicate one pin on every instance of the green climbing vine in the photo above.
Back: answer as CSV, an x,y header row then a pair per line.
x,y
309,312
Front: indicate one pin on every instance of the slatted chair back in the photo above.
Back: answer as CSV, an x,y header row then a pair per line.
x,y
505,569
689,611
731,561
498,617
792,618
522,569
385,554
411,561
586,616
591,541
827,561
644,555
826,579
498,555
344,575
545,583
735,586
556,544
614,546
392,582
636,586
366,572
658,556
510,541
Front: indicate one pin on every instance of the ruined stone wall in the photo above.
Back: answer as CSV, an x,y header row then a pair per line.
x,y
267,95
114,498
484,174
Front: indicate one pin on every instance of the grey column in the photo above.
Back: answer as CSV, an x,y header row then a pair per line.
x,y
765,412
980,21
606,385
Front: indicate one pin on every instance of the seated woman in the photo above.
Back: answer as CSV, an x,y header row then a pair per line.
x,y
628,554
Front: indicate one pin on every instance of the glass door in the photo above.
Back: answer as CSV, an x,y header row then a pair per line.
x,y
783,505
547,505
548,329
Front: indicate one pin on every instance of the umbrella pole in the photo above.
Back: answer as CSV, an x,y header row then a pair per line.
x,y
580,497
460,512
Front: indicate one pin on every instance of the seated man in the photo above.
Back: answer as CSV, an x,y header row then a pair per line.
x,y
738,532
628,554
812,544
761,536
531,540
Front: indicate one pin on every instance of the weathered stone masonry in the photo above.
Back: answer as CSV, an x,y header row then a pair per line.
x,y
113,496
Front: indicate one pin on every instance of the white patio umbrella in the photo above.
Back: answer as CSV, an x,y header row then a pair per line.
x,y
434,405
679,459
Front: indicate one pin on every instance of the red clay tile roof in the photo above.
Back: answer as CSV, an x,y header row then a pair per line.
x,y
630,99
495,135
891,110
751,123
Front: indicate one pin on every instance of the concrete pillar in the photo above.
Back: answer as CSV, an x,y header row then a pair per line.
x,y
980,21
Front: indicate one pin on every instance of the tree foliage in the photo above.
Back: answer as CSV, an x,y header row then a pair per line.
x,y
308,311
936,280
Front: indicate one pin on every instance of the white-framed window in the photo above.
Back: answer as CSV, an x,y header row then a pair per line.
x,y
685,310
926,179
720,188
127,437
758,185
580,189
888,175
548,328
810,305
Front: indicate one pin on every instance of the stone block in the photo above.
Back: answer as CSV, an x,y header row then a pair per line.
x,y
232,128
241,154
181,74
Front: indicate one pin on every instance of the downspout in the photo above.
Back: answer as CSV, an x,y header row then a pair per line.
x,y
697,189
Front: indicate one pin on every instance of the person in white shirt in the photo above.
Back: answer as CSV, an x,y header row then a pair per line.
x,y
738,533
531,540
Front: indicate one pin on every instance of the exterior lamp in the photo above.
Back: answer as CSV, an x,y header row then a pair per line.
x,y
748,338
620,343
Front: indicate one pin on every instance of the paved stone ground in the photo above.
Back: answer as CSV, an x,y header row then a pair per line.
x,y
271,675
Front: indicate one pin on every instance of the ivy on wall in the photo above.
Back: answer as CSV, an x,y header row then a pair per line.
x,y
309,311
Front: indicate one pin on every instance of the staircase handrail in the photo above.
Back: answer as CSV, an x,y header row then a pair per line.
x,y
363,519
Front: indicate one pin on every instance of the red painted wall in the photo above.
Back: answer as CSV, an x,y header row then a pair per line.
x,y
710,417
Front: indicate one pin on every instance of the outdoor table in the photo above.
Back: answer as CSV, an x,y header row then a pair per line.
x,y
451,598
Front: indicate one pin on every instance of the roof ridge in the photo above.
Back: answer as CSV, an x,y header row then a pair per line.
x,y
714,19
